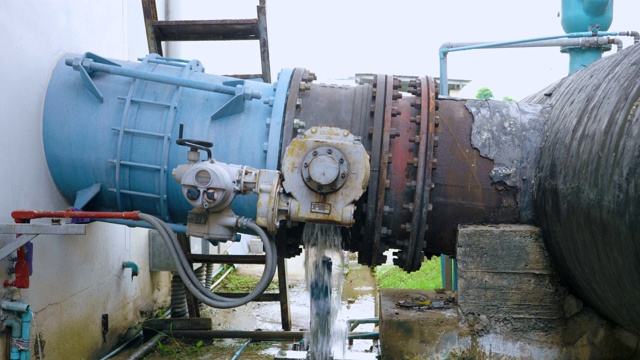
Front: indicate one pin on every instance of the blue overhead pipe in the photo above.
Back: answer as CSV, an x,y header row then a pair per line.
x,y
444,84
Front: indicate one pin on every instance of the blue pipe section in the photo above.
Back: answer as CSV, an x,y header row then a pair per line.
x,y
20,329
455,275
444,84
236,356
16,333
580,58
354,323
364,336
27,316
14,306
133,131
443,267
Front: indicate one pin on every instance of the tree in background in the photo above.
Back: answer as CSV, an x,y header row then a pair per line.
x,y
506,98
484,93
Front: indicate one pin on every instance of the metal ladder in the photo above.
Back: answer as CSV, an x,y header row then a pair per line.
x,y
209,30
214,30
157,134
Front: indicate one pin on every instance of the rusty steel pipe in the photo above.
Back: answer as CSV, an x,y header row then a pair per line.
x,y
426,175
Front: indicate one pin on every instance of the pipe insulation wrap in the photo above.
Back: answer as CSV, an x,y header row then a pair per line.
x,y
587,196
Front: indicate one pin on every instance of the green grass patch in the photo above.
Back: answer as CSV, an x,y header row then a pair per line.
x,y
429,276
240,283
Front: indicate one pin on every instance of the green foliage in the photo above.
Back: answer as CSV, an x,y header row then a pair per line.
x,y
427,278
167,349
508,99
239,283
181,349
484,93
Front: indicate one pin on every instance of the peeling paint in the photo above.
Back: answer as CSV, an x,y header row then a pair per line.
x,y
510,134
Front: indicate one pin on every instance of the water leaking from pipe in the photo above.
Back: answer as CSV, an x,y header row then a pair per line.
x,y
324,275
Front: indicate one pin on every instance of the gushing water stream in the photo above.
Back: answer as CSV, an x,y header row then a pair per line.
x,y
324,274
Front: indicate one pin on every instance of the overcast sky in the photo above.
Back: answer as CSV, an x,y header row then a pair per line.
x,y
339,38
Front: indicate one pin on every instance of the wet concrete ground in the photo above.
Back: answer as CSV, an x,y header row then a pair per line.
x,y
358,302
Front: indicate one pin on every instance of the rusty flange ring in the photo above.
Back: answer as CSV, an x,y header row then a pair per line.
x,y
369,253
414,251
411,254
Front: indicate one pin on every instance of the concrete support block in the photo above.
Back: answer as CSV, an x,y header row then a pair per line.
x,y
504,272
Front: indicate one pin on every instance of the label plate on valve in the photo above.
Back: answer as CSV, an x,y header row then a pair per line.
x,y
321,208
197,218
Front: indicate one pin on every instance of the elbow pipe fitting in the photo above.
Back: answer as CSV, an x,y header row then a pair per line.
x,y
14,306
634,34
135,270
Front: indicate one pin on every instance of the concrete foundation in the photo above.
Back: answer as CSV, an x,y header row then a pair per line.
x,y
511,305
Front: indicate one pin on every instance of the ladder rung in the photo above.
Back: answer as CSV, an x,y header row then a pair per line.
x,y
195,30
141,132
137,193
144,101
136,164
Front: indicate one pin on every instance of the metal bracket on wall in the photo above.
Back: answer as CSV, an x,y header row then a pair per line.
x,y
82,65
29,231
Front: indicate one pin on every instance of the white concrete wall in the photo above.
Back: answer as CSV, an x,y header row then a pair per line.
x,y
76,279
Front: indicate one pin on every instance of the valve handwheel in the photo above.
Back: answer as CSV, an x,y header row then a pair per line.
x,y
195,145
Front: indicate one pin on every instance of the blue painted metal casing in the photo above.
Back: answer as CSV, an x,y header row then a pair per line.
x,y
585,15
582,15
580,58
126,143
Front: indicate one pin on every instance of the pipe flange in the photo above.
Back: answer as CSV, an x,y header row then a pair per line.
x,y
325,169
370,250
